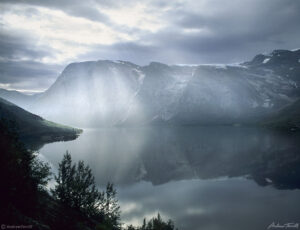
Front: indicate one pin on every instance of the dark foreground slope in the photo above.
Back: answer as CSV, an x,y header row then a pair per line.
x,y
29,126
24,199
26,204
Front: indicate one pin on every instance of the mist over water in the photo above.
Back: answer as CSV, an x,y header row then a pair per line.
x,y
201,177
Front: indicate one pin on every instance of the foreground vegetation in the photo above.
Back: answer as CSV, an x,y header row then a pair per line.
x,y
74,202
154,224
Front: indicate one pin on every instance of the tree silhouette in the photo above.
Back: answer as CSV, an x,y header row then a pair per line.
x,y
156,223
110,207
64,180
22,175
76,189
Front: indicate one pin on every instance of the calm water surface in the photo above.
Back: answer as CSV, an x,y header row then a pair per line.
x,y
201,177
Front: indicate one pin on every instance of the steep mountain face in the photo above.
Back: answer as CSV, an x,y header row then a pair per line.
x,y
105,93
30,126
283,63
287,118
91,92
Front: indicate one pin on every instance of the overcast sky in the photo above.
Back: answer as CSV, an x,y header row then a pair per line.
x,y
38,38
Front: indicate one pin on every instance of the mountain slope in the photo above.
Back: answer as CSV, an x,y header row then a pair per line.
x,y
287,118
28,125
18,98
106,93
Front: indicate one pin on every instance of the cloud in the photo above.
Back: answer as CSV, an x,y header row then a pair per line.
x,y
208,31
14,47
28,75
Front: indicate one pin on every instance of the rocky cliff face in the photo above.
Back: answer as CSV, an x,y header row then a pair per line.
x,y
106,93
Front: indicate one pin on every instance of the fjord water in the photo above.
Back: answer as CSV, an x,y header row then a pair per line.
x,y
201,177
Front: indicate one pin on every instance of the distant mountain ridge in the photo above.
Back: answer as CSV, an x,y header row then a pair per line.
x,y
17,97
107,93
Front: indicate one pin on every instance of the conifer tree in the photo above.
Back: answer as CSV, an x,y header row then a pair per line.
x,y
76,189
110,207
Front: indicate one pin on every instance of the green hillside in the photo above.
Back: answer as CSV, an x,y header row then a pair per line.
x,y
31,126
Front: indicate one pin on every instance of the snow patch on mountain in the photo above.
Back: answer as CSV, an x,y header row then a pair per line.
x,y
266,60
105,93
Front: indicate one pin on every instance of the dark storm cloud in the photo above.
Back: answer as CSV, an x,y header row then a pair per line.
x,y
234,32
12,71
28,74
14,47
127,51
240,30
25,74
213,31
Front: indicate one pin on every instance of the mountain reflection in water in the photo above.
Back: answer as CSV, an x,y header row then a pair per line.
x,y
202,177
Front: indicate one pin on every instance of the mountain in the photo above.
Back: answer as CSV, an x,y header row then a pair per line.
x,y
32,127
91,92
106,93
18,98
218,152
287,118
